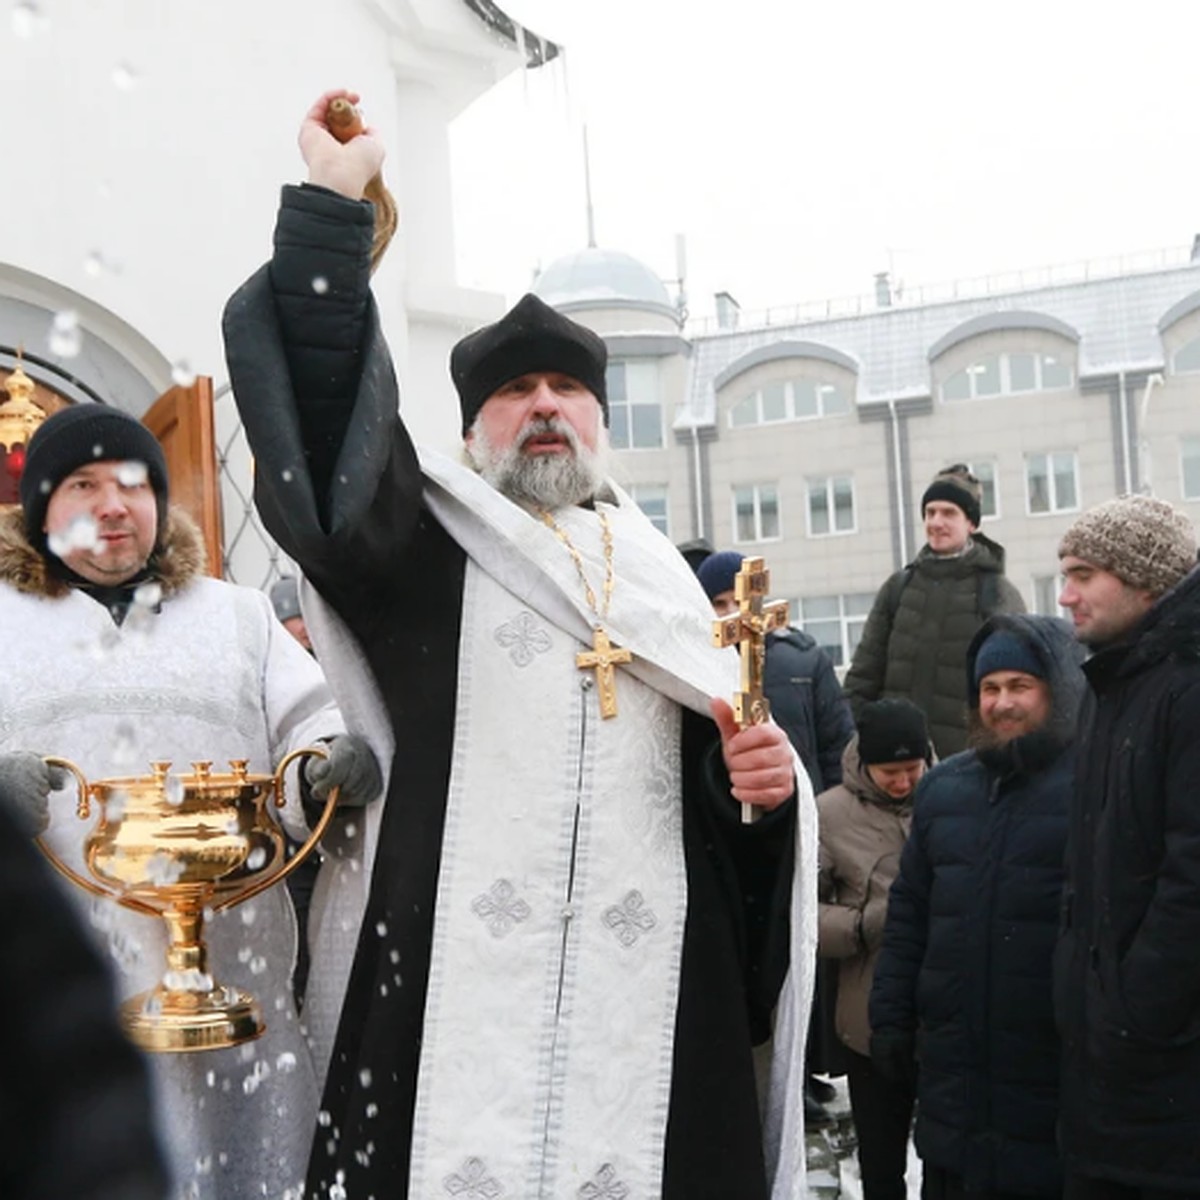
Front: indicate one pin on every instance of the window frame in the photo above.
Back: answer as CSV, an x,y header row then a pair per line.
x,y
994,463
1055,582
665,489
1184,440
628,403
974,369
829,481
821,388
845,618
1176,369
1055,509
757,489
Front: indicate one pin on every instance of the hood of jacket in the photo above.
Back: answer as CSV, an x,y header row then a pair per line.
x,y
1055,646
176,561
856,779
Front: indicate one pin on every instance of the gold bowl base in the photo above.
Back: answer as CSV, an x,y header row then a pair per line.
x,y
167,1021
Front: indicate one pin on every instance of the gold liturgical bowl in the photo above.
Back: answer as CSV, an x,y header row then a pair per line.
x,y
179,847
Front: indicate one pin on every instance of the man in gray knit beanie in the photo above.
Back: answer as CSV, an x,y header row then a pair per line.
x,y
1127,991
1118,559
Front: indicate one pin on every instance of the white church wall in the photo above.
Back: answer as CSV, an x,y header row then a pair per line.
x,y
146,145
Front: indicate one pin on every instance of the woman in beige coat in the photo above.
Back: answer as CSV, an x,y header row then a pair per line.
x,y
863,826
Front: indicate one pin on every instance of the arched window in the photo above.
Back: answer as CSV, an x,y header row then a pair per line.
x,y
789,400
1187,357
1008,374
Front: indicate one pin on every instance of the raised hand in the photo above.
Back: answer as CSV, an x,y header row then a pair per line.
x,y
345,168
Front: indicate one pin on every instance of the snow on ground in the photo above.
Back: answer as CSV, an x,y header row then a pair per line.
x,y
833,1158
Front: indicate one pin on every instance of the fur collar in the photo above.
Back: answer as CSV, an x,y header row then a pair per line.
x,y
180,560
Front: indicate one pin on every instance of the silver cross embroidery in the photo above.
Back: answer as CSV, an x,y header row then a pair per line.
x,y
629,919
604,1186
472,1182
501,908
523,637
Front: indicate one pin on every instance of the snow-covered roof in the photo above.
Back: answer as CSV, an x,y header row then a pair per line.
x,y
1117,323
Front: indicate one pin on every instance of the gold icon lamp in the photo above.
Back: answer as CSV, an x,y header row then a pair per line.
x,y
19,417
180,847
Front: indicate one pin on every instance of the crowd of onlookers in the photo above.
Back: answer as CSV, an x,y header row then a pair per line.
x,y
1010,860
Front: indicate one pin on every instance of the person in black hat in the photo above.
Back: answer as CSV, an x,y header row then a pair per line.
x,y
559,877
926,614
864,822
126,653
802,687
961,999
285,600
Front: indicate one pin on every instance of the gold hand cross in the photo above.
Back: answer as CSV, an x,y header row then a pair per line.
x,y
747,629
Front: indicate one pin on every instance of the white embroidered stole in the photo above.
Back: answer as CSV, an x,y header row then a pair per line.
x,y
550,1018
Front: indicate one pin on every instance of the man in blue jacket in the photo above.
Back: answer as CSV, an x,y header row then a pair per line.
x,y
962,992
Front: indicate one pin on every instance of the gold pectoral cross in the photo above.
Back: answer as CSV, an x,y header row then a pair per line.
x,y
747,629
602,658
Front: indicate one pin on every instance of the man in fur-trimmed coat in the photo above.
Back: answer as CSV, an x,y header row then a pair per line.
x,y
127,653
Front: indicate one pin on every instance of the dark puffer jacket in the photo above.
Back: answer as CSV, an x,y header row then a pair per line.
x,y
970,934
1127,969
916,636
76,1116
807,704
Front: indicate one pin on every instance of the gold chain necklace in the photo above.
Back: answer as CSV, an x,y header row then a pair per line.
x,y
603,656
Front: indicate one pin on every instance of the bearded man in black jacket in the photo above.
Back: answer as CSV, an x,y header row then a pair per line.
x,y
962,992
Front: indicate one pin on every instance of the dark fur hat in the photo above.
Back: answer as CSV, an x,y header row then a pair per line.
x,y
531,336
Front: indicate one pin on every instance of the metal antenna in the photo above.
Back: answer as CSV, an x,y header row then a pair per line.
x,y
587,187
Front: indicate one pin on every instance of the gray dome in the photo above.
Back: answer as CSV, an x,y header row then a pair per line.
x,y
602,278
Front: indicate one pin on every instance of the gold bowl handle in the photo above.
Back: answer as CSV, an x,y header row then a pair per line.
x,y
83,811
314,838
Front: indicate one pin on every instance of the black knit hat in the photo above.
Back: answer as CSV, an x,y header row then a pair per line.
x,y
956,485
892,731
75,436
531,336
717,572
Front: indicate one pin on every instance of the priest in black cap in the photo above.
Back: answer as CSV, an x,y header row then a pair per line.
x,y
543,956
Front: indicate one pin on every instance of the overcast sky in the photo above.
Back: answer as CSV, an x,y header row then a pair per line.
x,y
801,146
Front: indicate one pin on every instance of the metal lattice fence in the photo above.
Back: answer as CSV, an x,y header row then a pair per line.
x,y
250,555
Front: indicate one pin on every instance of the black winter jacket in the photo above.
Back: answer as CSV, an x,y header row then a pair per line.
x,y
76,1118
808,705
1127,968
918,631
970,935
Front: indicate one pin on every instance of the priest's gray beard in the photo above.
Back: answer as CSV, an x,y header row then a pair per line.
x,y
541,480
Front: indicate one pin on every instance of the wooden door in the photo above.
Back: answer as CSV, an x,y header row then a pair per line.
x,y
182,420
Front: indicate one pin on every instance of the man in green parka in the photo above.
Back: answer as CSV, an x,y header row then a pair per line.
x,y
915,641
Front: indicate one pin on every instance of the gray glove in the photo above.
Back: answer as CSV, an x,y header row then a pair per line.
x,y
26,782
350,766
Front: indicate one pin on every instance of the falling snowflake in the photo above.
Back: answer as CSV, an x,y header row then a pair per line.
x,y
66,338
